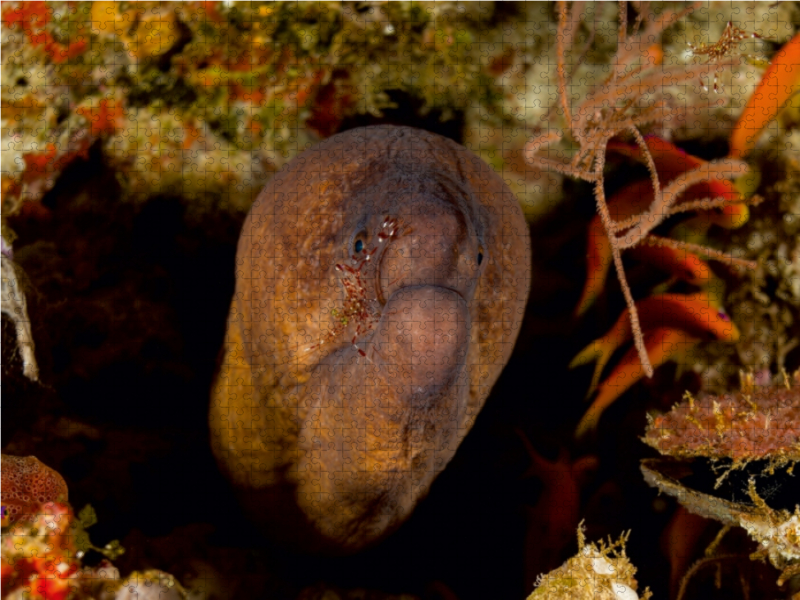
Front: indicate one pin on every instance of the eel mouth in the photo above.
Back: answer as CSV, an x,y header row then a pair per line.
x,y
389,229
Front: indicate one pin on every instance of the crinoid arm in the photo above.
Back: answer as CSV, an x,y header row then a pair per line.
x,y
661,206
608,224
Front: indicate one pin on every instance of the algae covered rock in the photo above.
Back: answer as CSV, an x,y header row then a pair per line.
x,y
598,571
756,423
725,456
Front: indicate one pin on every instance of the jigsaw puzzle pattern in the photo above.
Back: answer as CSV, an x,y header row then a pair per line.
x,y
382,274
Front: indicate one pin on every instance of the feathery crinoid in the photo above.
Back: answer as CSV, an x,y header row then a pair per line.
x,y
638,91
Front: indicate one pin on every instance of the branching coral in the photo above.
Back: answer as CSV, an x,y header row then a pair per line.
x,y
728,211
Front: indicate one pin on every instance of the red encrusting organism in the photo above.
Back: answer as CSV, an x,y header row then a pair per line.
x,y
26,485
754,423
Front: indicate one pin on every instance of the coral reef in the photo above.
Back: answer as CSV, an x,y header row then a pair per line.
x,y
766,304
229,92
527,82
775,530
129,160
38,556
636,93
150,585
43,543
233,90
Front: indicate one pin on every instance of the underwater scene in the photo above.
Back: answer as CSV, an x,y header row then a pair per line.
x,y
400,300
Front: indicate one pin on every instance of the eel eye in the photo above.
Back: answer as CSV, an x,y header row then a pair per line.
x,y
480,255
359,242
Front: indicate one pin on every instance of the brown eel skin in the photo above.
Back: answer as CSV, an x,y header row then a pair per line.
x,y
381,281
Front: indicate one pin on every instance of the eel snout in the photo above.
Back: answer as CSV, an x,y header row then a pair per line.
x,y
381,415
426,279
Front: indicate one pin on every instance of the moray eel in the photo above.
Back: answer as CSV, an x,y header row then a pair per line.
x,y
381,281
